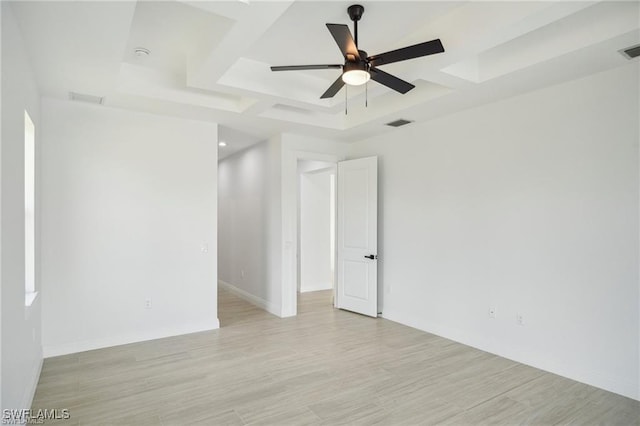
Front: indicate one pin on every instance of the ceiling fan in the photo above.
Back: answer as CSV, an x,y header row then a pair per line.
x,y
358,68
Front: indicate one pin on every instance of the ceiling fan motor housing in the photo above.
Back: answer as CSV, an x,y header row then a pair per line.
x,y
361,65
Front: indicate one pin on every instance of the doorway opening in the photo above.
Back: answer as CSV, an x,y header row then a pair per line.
x,y
316,226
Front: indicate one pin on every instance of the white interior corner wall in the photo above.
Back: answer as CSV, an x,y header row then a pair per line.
x,y
528,206
129,236
249,224
21,350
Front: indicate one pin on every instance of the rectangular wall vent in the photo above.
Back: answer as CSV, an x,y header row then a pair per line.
x,y
631,52
398,123
81,97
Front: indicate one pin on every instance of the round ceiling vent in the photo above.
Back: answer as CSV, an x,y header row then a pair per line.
x,y
141,52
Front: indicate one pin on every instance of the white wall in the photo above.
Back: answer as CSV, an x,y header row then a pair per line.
x,y
21,350
529,205
128,214
1,138
315,231
249,224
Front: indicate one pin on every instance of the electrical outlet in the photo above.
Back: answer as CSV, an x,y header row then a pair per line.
x,y
519,319
492,312
204,248
147,304
242,274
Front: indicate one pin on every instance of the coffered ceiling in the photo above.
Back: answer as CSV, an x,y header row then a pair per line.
x,y
209,60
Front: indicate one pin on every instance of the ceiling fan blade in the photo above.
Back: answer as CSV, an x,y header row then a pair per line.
x,y
390,81
306,67
409,52
333,89
343,37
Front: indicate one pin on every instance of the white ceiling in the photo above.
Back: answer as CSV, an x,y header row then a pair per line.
x,y
210,59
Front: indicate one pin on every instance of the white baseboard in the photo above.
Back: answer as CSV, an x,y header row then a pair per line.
x,y
598,379
30,391
87,345
254,300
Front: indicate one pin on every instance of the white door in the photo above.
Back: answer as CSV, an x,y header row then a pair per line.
x,y
357,242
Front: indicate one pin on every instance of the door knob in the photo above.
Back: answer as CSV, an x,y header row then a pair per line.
x,y
371,256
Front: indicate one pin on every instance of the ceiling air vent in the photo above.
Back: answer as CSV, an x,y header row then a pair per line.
x,y
631,52
290,108
399,123
81,97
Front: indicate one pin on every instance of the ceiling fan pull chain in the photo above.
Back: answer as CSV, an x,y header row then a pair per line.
x,y
366,95
346,99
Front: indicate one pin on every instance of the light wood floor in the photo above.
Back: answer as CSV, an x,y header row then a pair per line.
x,y
322,367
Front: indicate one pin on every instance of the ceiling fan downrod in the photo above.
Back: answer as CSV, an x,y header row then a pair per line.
x,y
355,13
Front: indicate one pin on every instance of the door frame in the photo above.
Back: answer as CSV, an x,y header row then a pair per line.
x,y
289,236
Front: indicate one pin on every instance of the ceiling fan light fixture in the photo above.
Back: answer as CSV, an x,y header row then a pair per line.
x,y
356,77
356,73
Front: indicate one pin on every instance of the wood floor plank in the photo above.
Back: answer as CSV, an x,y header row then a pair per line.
x,y
324,366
